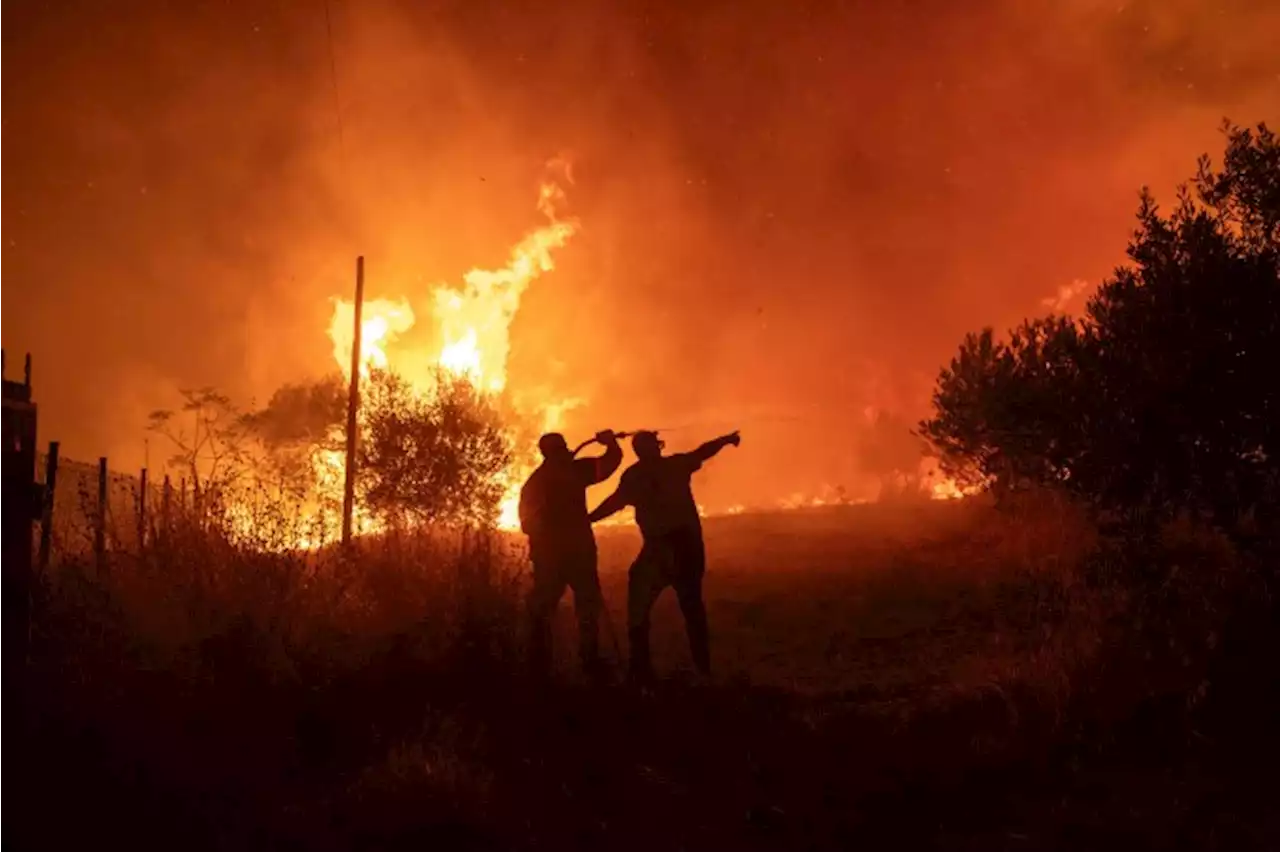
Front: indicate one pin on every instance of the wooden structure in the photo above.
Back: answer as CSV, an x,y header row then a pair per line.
x,y
22,506
353,408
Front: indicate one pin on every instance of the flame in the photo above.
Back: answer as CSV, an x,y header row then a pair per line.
x,y
939,486
473,342
947,489
473,324
381,322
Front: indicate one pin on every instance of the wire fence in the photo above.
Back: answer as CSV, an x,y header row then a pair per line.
x,y
92,507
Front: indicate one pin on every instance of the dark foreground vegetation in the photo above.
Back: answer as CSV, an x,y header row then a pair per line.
x,y
921,674
1091,663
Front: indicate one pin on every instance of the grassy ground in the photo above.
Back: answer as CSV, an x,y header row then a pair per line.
x,y
931,675
824,600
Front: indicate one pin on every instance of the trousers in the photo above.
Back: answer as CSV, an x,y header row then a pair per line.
x,y
574,568
676,559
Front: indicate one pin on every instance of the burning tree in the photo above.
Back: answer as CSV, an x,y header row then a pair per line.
x,y
424,457
473,330
439,457
298,420
441,440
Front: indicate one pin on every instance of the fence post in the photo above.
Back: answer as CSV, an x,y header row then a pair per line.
x,y
142,510
100,522
166,497
46,514
21,510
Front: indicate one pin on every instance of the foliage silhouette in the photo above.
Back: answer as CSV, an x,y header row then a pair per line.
x,y
1164,396
435,457
214,454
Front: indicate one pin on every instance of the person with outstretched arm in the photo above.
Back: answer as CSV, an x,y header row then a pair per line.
x,y
660,488
562,546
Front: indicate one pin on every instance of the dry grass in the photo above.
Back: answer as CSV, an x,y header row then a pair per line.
x,y
875,663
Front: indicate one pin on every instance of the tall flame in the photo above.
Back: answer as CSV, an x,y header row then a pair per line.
x,y
474,327
473,338
475,321
381,322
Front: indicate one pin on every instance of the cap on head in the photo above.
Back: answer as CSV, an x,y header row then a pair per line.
x,y
553,445
646,444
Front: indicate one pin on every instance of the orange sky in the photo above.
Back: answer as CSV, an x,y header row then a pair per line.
x,y
789,211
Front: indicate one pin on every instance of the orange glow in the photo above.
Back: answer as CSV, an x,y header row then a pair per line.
x,y
382,322
940,486
737,252
473,324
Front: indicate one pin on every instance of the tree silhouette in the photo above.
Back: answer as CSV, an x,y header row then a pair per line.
x,y
1165,395
298,419
437,457
212,450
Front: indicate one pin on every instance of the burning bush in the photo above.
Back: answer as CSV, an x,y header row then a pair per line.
x,y
273,477
437,458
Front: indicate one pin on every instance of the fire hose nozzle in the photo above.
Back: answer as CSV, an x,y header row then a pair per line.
x,y
592,440
622,434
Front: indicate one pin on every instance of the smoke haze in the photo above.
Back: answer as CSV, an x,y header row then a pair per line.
x,y
790,212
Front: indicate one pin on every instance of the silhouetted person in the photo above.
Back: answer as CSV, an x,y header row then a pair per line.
x,y
562,547
660,489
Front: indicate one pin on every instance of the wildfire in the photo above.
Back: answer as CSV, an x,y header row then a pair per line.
x,y
473,324
472,334
947,489
381,322
939,486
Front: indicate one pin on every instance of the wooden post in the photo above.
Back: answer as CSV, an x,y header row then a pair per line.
x,y
100,522
142,510
353,408
166,498
21,506
46,516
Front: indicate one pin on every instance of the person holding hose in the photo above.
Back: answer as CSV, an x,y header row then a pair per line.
x,y
660,489
562,546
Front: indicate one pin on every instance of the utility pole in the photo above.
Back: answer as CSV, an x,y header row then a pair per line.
x,y
353,407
